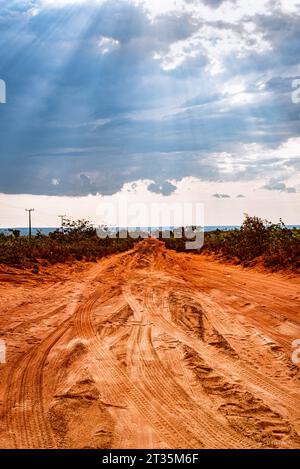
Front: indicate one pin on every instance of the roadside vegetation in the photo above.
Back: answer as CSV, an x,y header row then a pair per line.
x,y
77,241
257,241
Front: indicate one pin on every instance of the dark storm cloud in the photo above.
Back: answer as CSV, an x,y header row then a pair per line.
x,y
211,3
274,185
221,196
82,117
166,188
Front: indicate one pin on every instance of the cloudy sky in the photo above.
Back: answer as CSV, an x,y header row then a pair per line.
x,y
158,100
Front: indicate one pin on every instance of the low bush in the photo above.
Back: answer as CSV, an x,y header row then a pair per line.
x,y
275,245
78,241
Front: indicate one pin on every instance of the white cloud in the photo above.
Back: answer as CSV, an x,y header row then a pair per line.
x,y
107,44
217,211
224,34
231,11
235,93
288,149
290,6
234,86
160,7
216,44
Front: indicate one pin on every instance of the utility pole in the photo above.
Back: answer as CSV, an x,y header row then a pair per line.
x,y
62,217
29,210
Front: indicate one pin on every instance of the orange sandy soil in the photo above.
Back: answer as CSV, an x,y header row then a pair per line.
x,y
149,349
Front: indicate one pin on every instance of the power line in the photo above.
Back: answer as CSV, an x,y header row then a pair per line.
x,y
43,212
29,210
62,217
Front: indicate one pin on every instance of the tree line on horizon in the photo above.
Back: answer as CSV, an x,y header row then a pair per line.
x,y
257,240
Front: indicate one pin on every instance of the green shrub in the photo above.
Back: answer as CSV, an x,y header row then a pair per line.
x,y
276,245
79,241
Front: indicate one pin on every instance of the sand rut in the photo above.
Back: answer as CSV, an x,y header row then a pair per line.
x,y
154,350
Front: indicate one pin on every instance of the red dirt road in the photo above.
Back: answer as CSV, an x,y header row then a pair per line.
x,y
150,349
